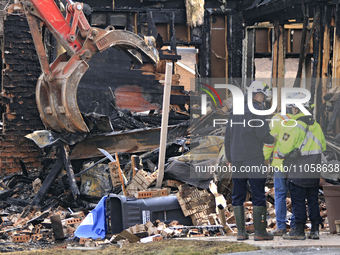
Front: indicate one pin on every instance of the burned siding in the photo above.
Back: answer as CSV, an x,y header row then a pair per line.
x,y
19,112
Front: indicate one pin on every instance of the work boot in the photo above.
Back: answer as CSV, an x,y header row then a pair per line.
x,y
278,232
314,232
260,224
297,233
240,223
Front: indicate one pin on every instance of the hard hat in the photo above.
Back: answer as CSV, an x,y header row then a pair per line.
x,y
259,87
298,96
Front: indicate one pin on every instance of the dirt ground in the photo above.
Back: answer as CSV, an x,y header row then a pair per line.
x,y
165,247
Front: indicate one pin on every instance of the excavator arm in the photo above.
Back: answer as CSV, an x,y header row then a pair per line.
x,y
56,91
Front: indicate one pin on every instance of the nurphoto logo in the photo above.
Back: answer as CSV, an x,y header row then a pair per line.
x,y
238,99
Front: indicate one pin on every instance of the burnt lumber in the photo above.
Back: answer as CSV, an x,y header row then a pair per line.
x,y
278,60
334,115
317,59
57,227
302,49
50,178
69,170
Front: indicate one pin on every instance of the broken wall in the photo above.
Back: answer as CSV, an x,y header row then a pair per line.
x,y
20,115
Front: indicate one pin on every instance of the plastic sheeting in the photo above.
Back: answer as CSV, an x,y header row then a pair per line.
x,y
94,224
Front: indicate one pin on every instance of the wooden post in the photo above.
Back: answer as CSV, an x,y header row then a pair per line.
x,y
316,62
336,51
326,51
250,54
289,38
134,164
297,82
226,50
164,127
278,66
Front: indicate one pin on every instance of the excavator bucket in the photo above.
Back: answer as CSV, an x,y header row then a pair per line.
x,y
56,94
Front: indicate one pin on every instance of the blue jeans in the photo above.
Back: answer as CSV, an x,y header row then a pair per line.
x,y
281,189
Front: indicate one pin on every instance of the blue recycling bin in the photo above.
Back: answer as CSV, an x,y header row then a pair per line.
x,y
126,212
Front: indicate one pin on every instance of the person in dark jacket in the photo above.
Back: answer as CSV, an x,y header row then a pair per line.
x,y
244,142
301,147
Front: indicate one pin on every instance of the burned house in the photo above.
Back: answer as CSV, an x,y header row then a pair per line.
x,y
121,101
112,79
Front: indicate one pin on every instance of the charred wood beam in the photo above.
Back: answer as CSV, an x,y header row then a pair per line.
x,y
57,227
50,178
125,141
69,170
326,67
139,23
17,201
164,17
316,57
152,30
278,60
204,63
234,44
250,61
304,45
23,167
129,23
275,10
302,48
172,33
334,115
336,50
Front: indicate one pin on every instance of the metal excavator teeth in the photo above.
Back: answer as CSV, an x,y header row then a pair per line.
x,y
56,94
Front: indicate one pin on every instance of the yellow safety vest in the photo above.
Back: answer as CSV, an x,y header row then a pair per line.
x,y
276,127
310,140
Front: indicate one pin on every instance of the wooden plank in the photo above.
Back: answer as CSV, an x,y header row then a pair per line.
x,y
297,82
269,40
134,164
326,54
226,48
278,66
165,119
336,59
115,179
316,63
289,37
120,174
250,65
218,47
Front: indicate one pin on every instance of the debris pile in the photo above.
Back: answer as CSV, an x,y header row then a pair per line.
x,y
47,206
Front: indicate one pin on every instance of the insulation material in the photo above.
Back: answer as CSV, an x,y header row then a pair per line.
x,y
195,12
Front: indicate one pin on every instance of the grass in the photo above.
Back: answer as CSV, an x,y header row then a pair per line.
x,y
165,247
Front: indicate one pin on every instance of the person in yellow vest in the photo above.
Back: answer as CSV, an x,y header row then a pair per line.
x,y
301,146
277,125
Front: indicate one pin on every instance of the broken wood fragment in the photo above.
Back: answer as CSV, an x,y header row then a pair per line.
x,y
69,170
134,164
120,175
57,227
50,178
